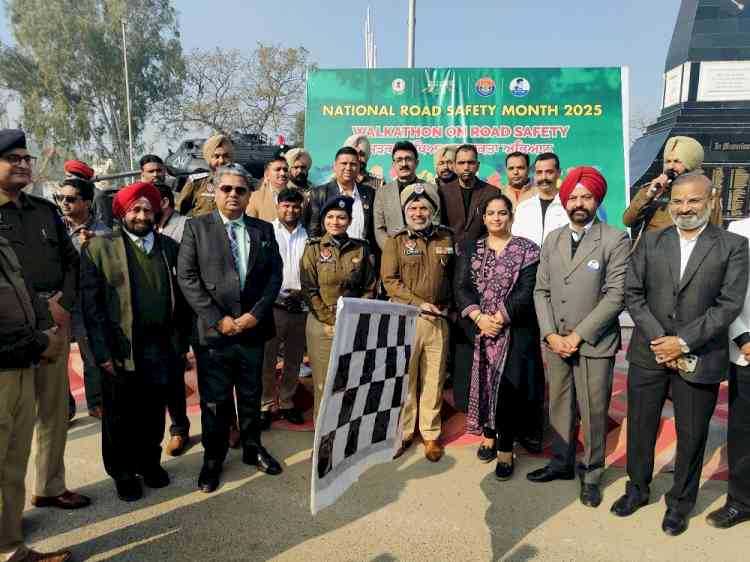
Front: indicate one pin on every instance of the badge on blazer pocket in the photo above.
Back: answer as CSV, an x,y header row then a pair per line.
x,y
593,265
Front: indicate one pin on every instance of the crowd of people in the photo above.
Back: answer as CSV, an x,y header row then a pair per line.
x,y
242,273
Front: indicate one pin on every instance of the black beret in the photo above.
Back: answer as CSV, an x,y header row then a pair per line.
x,y
85,188
10,139
339,203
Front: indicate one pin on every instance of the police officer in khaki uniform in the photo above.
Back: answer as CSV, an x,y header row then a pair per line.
x,y
22,345
333,266
49,266
197,195
417,269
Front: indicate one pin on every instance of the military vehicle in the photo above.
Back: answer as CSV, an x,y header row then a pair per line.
x,y
250,150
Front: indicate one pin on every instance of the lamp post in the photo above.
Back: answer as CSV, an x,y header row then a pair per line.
x,y
412,25
127,94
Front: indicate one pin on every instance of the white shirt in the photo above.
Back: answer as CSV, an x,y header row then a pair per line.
x,y
577,235
527,219
243,241
148,240
291,247
357,227
686,248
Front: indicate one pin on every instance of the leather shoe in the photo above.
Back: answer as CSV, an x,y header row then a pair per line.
x,y
727,516
406,442
504,470
486,454
433,450
66,500
34,556
547,474
262,459
208,479
234,438
266,417
591,495
155,477
177,445
292,415
129,489
673,523
628,504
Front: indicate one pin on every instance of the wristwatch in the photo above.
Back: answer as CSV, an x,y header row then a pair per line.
x,y
684,347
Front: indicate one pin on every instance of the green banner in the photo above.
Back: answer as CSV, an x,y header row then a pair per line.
x,y
578,113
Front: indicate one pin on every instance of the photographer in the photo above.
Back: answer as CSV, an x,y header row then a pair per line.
x,y
648,209
289,312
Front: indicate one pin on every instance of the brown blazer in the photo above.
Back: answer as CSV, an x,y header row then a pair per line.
x,y
262,205
465,226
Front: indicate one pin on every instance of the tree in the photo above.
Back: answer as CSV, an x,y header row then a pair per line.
x,y
66,69
228,91
298,131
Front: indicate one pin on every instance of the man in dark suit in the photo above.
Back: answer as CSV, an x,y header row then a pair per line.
x,y
345,170
460,204
135,318
230,272
684,287
461,200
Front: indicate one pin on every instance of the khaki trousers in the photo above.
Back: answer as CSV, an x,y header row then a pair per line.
x,y
52,388
581,386
319,350
16,428
426,378
290,332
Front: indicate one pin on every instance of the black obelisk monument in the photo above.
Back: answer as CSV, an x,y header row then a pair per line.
x,y
706,95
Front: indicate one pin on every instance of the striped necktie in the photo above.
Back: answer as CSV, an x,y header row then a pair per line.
x,y
234,246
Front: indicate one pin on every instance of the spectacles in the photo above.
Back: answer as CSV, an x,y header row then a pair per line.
x,y
15,159
239,190
66,198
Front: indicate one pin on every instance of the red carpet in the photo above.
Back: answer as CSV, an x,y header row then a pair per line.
x,y
715,466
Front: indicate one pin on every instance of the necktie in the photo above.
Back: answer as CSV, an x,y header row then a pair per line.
x,y
141,244
234,246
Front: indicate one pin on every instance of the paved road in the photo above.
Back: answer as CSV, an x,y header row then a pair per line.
x,y
411,509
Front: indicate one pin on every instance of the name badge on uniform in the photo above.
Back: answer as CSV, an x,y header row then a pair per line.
x,y
444,250
208,194
326,255
411,248
593,265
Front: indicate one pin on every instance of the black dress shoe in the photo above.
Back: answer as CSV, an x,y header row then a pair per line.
x,y
590,496
129,489
208,479
547,474
292,415
266,417
628,504
504,470
673,523
155,477
727,516
262,459
486,454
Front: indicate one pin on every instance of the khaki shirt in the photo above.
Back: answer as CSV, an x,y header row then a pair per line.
x,y
640,204
197,196
416,269
330,271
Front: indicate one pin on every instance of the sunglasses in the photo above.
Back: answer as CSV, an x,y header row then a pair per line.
x,y
230,188
66,198
15,159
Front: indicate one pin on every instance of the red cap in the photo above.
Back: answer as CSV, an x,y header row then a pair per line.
x,y
588,177
79,168
130,194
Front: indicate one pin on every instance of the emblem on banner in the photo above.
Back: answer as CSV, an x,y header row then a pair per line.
x,y
398,86
485,86
520,87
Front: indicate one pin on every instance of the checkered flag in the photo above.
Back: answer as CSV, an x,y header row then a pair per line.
x,y
366,386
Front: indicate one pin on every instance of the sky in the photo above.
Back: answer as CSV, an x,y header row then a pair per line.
x,y
496,33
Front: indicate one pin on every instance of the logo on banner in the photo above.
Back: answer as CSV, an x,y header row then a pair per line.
x,y
439,86
520,87
485,86
398,86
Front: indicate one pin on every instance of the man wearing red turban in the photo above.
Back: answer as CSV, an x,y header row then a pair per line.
x,y
578,296
78,169
138,332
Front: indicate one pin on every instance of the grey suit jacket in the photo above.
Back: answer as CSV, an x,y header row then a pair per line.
x,y
389,217
584,294
699,307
